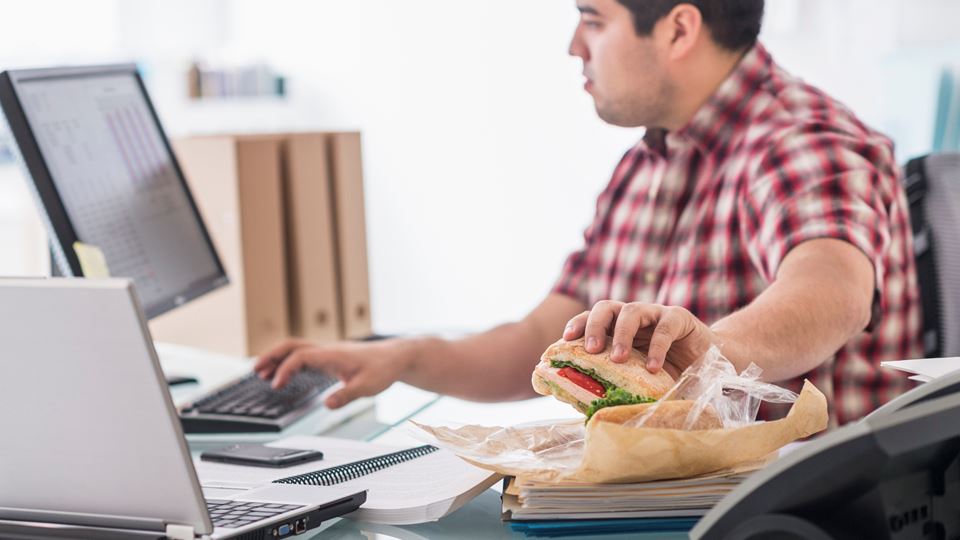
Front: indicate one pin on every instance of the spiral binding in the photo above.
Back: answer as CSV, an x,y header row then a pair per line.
x,y
356,469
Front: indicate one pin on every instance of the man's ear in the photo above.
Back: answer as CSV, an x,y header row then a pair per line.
x,y
679,31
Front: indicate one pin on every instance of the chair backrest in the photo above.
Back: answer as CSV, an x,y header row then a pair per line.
x,y
933,187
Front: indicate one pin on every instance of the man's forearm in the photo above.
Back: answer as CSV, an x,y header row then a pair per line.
x,y
819,301
490,366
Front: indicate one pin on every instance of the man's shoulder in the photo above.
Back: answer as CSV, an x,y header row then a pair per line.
x,y
797,127
792,111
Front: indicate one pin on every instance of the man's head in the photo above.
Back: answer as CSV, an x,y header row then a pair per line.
x,y
652,62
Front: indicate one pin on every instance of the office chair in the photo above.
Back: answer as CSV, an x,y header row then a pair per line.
x,y
932,183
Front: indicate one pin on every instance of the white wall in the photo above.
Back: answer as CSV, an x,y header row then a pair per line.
x,y
880,57
482,152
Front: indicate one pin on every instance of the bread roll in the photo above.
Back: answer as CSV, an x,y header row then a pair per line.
x,y
631,375
666,415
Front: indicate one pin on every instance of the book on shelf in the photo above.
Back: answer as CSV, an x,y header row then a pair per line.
x,y
254,80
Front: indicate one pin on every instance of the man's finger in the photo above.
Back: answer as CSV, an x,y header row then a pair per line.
x,y
270,359
350,391
575,326
598,322
669,329
630,320
290,367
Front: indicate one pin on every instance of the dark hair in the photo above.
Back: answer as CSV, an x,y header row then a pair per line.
x,y
733,24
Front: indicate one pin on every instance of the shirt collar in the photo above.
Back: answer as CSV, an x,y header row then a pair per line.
x,y
725,112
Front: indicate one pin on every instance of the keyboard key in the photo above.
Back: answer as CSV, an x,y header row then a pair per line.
x,y
234,514
260,515
253,398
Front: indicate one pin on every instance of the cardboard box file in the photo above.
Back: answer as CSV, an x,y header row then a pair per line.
x,y
314,297
286,213
347,172
237,186
326,235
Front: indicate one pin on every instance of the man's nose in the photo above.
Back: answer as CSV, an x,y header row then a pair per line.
x,y
577,47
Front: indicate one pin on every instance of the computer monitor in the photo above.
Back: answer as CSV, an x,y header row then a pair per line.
x,y
104,175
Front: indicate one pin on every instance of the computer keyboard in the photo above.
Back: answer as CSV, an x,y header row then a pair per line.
x,y
251,405
235,514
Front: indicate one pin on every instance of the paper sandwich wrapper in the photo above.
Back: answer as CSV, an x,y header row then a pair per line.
x,y
604,452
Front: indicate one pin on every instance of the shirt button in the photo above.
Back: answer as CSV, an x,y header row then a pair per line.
x,y
650,277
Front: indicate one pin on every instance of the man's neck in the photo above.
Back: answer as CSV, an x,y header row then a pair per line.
x,y
700,77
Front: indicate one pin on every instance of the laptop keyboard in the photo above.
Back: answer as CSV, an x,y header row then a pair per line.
x,y
253,396
235,514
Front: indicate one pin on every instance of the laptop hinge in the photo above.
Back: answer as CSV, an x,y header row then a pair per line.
x,y
180,532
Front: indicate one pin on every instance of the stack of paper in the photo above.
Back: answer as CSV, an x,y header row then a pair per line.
x,y
925,369
531,500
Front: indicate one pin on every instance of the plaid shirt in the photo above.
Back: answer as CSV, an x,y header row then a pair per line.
x,y
702,218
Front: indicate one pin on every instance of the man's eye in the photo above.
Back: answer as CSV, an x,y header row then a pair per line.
x,y
590,24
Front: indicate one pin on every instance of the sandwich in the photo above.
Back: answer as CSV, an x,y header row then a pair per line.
x,y
591,382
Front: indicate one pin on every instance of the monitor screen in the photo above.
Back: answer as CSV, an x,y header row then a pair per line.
x,y
106,177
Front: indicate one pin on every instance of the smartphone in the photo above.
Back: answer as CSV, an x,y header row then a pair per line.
x,y
258,455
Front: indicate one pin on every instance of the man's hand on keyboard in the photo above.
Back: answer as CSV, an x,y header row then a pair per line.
x,y
365,368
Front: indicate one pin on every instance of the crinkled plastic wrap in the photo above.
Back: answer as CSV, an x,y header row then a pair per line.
x,y
603,451
712,384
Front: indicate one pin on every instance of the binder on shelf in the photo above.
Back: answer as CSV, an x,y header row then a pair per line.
x,y
286,212
311,242
347,173
237,186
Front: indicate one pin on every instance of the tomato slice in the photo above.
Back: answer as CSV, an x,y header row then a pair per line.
x,y
583,380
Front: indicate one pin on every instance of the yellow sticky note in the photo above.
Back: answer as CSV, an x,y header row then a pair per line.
x,y
92,261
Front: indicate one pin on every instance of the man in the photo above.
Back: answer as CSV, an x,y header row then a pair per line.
x,y
756,214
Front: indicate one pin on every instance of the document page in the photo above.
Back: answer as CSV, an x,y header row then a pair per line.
x,y
926,368
421,489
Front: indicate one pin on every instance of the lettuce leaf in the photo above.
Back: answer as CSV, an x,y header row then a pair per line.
x,y
614,397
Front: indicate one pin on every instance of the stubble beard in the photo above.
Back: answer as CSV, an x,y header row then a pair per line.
x,y
646,109
646,100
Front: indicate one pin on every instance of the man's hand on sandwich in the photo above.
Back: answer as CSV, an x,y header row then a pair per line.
x,y
672,337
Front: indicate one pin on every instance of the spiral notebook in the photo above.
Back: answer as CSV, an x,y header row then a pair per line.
x,y
404,486
356,469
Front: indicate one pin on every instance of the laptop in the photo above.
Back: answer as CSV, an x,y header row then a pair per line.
x,y
92,445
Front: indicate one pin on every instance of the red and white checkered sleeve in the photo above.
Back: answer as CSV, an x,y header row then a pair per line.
x,y
819,183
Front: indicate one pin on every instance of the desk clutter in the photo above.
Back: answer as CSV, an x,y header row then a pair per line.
x,y
404,486
286,214
903,453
